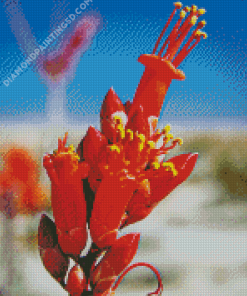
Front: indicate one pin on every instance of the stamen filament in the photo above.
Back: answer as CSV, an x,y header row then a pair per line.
x,y
154,270
173,33
178,5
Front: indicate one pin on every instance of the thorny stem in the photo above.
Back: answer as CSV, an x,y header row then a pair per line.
x,y
155,271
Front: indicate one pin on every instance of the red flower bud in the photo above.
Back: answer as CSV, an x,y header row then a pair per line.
x,y
111,106
114,262
110,202
54,260
77,281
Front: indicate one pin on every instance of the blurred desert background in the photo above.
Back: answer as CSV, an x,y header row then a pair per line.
x,y
196,237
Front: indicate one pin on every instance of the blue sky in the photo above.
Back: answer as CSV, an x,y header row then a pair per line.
x,y
216,70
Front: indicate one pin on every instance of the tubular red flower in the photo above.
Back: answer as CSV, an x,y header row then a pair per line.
x,y
68,200
160,70
109,206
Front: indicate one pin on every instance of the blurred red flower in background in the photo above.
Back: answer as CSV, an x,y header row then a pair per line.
x,y
20,189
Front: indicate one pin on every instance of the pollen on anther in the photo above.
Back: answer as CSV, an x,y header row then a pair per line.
x,y
182,14
201,11
178,5
169,166
156,165
115,148
179,141
131,134
193,20
141,137
151,144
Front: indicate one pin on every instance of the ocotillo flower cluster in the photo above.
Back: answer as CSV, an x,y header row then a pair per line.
x,y
117,175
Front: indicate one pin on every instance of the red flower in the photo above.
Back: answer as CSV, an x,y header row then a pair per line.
x,y
119,174
68,201
20,189
127,172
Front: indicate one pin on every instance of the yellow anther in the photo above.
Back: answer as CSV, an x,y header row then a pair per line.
x,y
168,137
131,134
106,167
156,165
178,5
121,130
166,129
194,20
179,141
201,11
141,137
117,119
201,33
115,148
71,148
202,23
204,35
140,146
169,166
194,8
151,144
182,14
187,8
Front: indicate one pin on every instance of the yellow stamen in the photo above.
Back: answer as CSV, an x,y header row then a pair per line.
x,y
179,141
178,5
187,8
167,138
117,119
194,8
121,130
201,33
131,134
71,148
169,166
156,165
141,137
166,129
201,11
182,14
151,144
202,23
115,148
193,20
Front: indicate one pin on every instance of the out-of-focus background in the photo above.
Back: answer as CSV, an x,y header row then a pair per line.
x,y
197,236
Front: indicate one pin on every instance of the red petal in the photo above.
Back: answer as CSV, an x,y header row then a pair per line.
x,y
110,202
154,84
111,105
68,200
115,261
54,260
137,122
91,145
162,185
